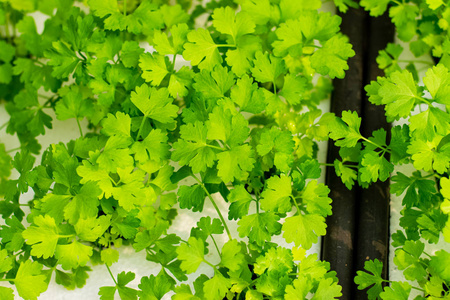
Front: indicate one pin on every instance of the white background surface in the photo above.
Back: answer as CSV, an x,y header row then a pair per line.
x,y
64,131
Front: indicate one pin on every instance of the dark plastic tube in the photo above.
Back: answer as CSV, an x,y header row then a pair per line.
x,y
372,236
339,243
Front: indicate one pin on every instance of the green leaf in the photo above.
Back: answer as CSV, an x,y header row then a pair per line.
x,y
304,230
240,201
155,287
6,293
294,88
235,163
327,289
426,124
214,84
437,83
259,228
63,59
43,236
154,147
435,4
417,188
425,156
387,59
180,81
154,67
290,39
223,125
226,22
217,287
209,226
192,148
109,256
399,93
155,104
5,261
397,291
90,229
241,57
191,254
408,259
201,50
315,196
191,197
174,14
375,167
267,67
5,162
299,289
119,124
439,264
275,260
347,174
376,7
73,255
372,277
277,146
130,54
276,197
84,204
345,130
332,58
173,44
232,258
73,105
125,293
29,281
399,144
247,95
260,11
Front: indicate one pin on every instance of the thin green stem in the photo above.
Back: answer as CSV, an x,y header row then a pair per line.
x,y
82,55
140,128
110,273
210,264
326,165
6,279
424,101
416,61
18,253
12,150
427,254
124,7
296,204
376,145
215,244
274,87
174,59
226,45
39,63
214,147
257,201
215,206
79,127
4,125
418,289
7,27
65,236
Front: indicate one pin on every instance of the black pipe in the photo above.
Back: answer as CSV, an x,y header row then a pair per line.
x,y
338,245
372,235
